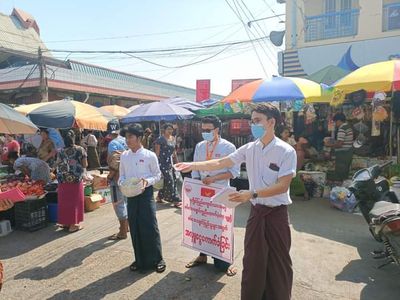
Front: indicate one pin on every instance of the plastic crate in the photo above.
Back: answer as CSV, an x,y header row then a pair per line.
x,y
31,215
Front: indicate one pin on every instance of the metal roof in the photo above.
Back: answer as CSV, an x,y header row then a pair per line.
x,y
14,36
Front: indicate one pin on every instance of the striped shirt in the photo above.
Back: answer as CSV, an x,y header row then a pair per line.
x,y
345,134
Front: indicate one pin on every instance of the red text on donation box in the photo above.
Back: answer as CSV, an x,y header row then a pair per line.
x,y
207,226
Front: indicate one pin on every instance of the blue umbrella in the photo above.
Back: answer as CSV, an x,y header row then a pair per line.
x,y
185,103
157,111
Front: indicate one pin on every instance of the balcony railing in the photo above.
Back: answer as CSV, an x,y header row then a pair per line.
x,y
391,16
332,25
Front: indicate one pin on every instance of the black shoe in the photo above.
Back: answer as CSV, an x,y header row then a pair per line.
x,y
133,267
160,267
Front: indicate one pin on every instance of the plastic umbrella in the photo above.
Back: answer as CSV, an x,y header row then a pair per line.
x,y
69,114
116,110
277,89
157,111
382,76
185,103
12,122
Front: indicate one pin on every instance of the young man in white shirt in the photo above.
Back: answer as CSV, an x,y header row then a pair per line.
x,y
214,147
140,163
271,165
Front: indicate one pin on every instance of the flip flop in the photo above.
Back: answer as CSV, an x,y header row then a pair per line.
x,y
178,205
116,237
195,263
232,271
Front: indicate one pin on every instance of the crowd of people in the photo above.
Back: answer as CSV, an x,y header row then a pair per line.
x,y
134,153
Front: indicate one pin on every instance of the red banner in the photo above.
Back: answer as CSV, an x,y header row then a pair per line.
x,y
203,89
237,83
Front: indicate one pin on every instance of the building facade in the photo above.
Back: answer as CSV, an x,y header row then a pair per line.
x,y
26,73
341,33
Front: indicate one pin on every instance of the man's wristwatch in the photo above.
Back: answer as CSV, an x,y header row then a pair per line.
x,y
254,195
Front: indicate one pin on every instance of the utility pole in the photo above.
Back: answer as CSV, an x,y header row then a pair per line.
x,y
43,87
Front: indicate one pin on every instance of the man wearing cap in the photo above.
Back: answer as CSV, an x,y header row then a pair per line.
x,y
114,150
214,147
141,163
271,165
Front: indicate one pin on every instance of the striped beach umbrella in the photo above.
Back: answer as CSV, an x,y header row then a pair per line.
x,y
276,89
68,114
12,122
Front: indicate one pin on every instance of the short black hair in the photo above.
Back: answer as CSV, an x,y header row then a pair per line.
x,y
69,138
42,129
211,120
13,155
135,129
270,111
167,125
339,117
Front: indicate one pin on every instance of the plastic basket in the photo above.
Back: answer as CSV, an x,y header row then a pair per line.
x,y
31,215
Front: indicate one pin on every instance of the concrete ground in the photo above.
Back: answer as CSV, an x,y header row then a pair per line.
x,y
330,252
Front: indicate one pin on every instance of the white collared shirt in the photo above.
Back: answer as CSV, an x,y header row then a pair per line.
x,y
265,165
222,149
140,164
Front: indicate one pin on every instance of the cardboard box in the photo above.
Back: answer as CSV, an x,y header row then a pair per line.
x,y
100,182
106,194
92,202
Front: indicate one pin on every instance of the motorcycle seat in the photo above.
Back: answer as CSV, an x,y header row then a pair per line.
x,y
382,208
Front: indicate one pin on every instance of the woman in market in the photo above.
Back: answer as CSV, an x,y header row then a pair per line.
x,y
4,205
165,149
70,167
47,150
34,167
11,145
90,143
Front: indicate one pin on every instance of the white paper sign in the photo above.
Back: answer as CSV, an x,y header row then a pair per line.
x,y
207,226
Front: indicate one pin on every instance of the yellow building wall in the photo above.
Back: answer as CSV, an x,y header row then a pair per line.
x,y
370,23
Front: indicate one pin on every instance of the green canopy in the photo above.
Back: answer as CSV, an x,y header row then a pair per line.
x,y
224,110
328,75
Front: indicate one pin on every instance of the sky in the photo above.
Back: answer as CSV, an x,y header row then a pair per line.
x,y
123,25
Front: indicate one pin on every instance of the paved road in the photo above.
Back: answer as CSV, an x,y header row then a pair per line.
x,y
330,253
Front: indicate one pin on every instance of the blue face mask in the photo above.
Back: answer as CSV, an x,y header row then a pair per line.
x,y
208,136
257,130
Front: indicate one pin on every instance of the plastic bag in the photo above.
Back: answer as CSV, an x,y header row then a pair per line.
x,y
341,198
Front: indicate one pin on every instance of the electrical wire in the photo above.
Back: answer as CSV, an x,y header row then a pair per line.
x,y
255,50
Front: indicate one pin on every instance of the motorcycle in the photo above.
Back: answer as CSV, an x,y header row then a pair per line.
x,y
380,208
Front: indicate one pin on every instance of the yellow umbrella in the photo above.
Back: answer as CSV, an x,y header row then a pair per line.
x,y
116,110
382,76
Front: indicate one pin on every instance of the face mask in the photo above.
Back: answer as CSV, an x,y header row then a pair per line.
x,y
257,130
208,136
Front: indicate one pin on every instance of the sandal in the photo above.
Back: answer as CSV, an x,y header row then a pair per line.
x,y
178,204
117,237
195,263
133,267
75,229
231,271
160,267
